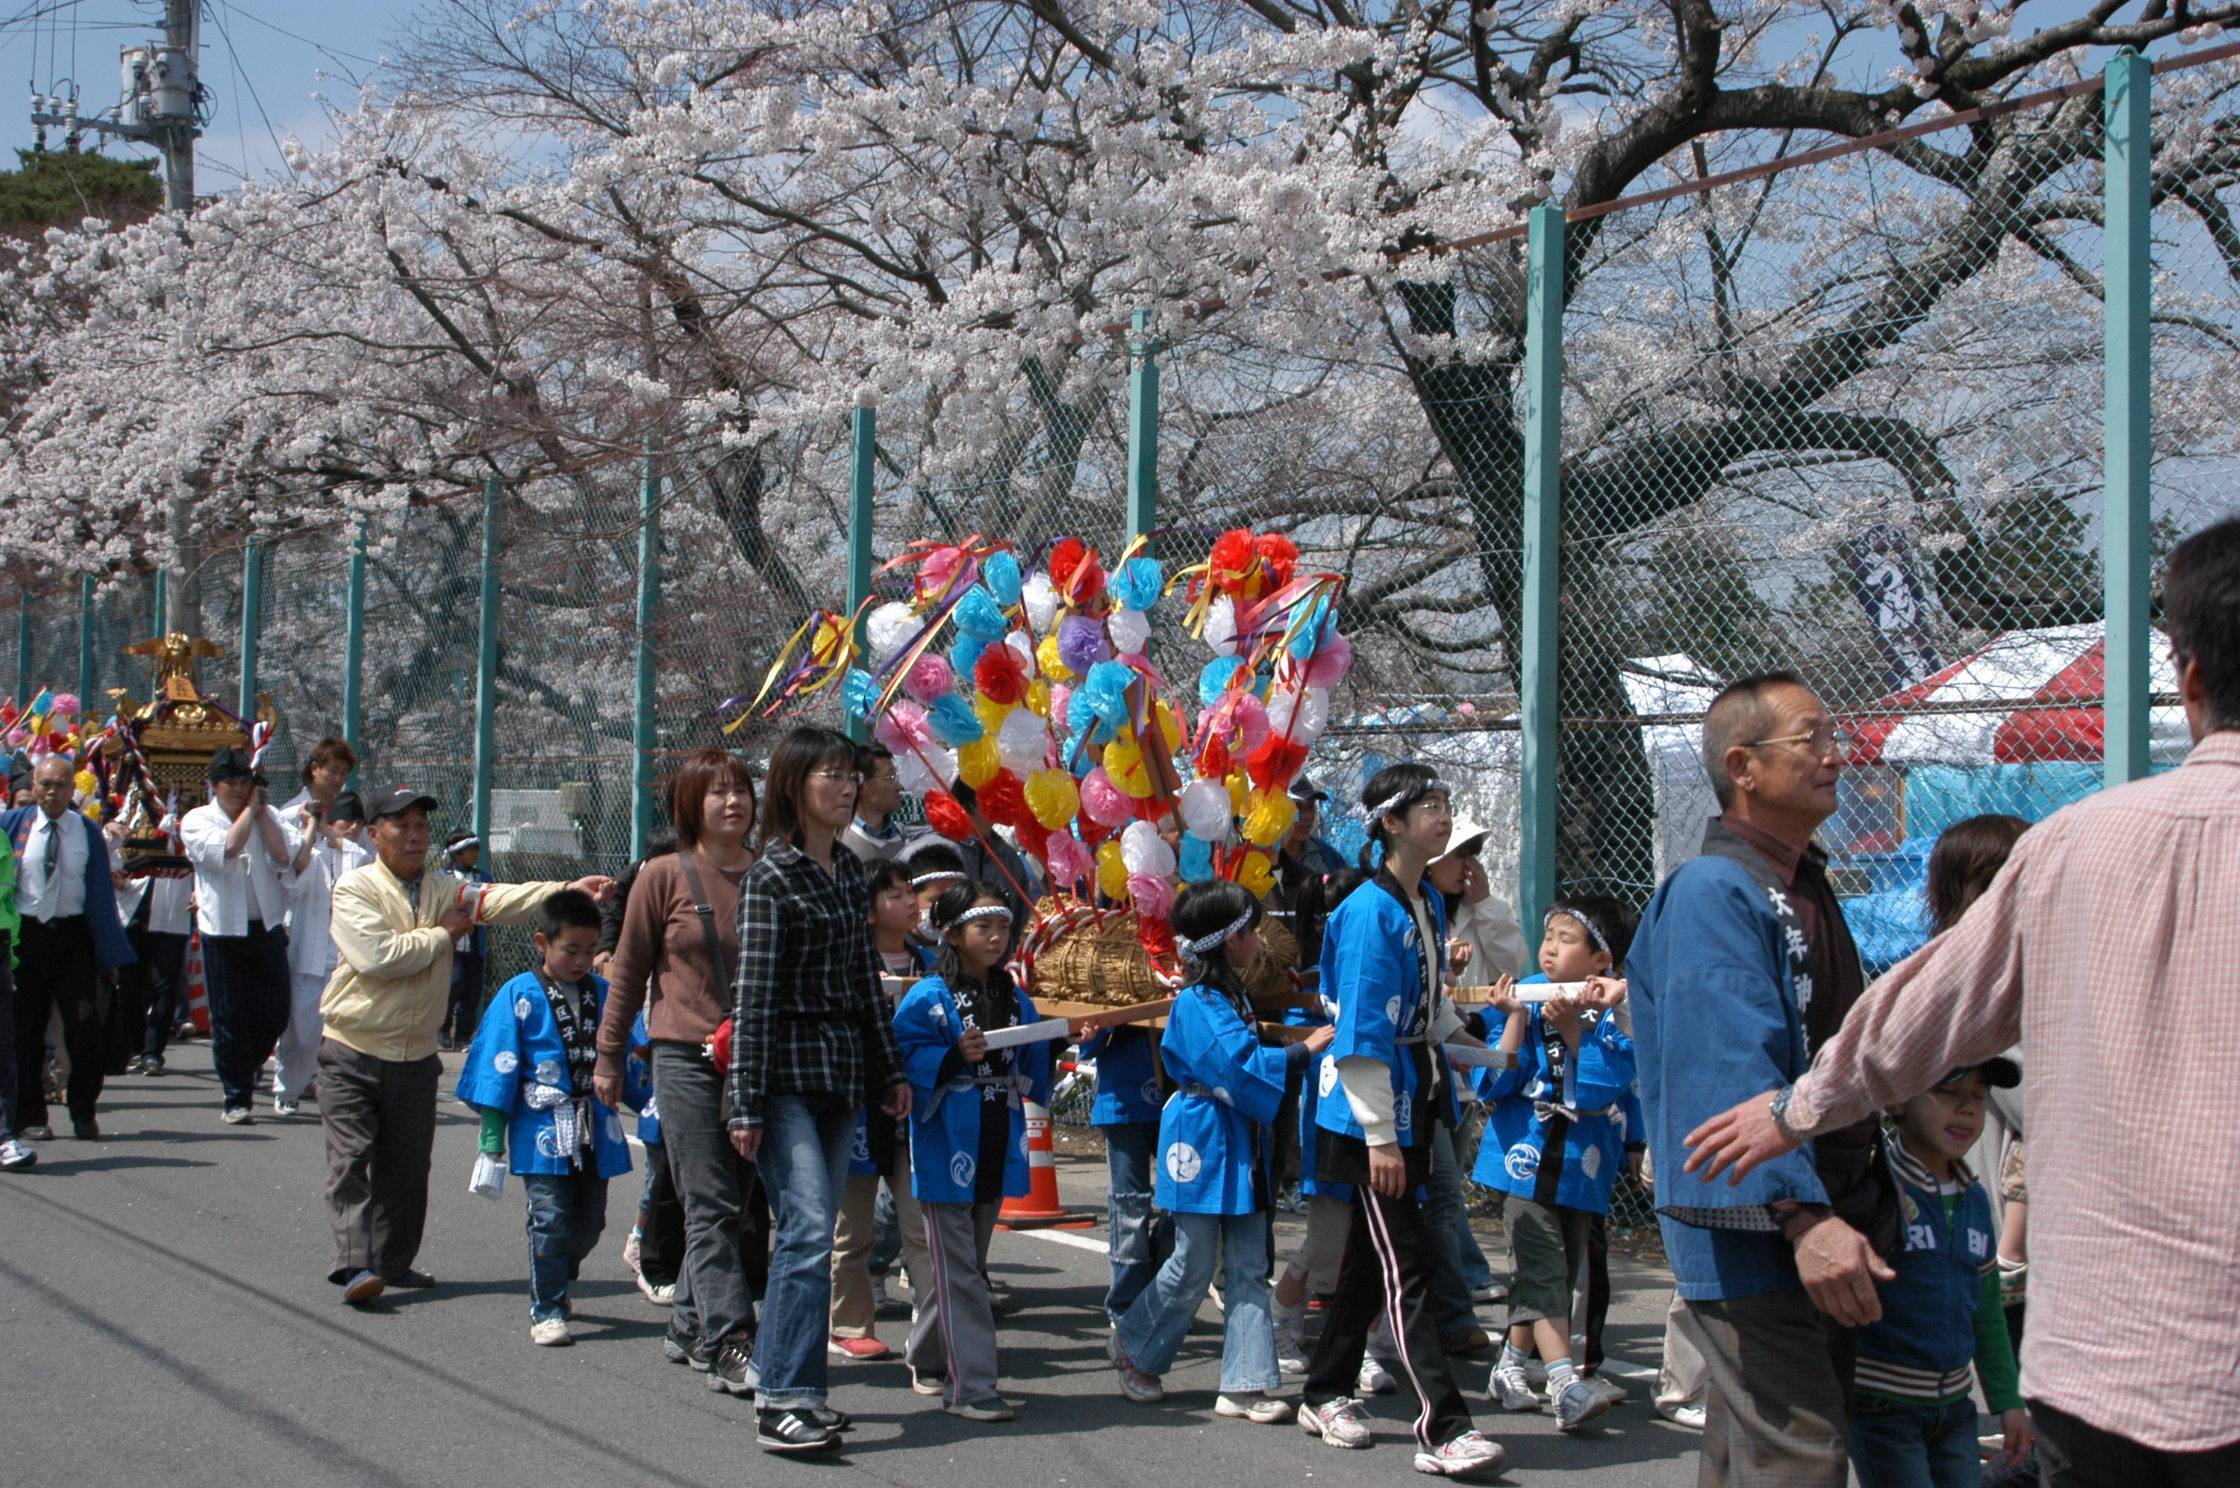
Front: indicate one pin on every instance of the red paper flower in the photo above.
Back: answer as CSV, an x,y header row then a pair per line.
x,y
1213,760
1004,800
945,816
1156,937
1281,555
1151,808
1231,559
1033,839
999,676
1076,572
1272,765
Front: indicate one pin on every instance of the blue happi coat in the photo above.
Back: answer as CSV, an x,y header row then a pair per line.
x,y
1213,1132
1127,1078
637,1082
1597,1096
1717,1019
516,1050
945,1106
1373,972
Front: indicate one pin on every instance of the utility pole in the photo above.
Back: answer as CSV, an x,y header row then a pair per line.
x,y
160,101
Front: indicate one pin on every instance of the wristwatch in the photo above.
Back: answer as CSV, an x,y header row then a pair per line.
x,y
1780,1109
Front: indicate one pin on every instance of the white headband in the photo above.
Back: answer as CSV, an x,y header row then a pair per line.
x,y
943,876
1595,936
1206,945
977,912
1407,797
463,844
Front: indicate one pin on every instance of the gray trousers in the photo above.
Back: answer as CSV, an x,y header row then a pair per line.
x,y
956,1325
1680,1378
1773,1407
712,1297
379,1116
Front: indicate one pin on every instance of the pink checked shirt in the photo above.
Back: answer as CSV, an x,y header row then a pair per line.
x,y
2111,946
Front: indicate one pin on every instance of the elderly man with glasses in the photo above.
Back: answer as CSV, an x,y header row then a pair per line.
x,y
1741,969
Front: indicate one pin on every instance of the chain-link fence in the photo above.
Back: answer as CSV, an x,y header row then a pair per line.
x,y
1843,416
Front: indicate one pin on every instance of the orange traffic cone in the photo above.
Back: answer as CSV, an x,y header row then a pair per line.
x,y
1040,1209
198,993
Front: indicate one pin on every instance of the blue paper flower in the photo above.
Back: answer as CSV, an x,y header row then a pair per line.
x,y
1196,860
1001,574
1106,690
965,655
978,614
1137,585
1214,680
953,722
859,694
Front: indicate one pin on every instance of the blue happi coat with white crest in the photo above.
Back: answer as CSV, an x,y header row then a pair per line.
x,y
1373,972
517,1064
1213,1134
945,1104
1600,1114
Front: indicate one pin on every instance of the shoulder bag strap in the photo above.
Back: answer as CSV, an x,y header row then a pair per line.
x,y
707,914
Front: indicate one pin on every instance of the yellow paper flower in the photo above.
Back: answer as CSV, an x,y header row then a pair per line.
x,y
1112,872
1053,798
1267,816
1053,665
1130,771
1256,873
978,761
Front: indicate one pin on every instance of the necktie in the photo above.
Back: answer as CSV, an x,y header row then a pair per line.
x,y
54,851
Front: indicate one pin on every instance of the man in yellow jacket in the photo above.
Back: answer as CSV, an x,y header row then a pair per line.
x,y
394,923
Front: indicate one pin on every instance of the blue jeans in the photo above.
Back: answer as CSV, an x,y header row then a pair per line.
x,y
1899,1444
1127,1162
804,1157
567,1214
1152,1329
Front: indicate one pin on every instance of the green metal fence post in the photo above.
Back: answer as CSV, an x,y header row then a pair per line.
x,y
162,602
86,671
1143,430
23,649
354,642
649,615
2128,517
252,623
486,667
863,455
1543,471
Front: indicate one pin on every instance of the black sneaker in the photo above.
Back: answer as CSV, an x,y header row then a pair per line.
x,y
408,1280
87,1130
732,1369
687,1348
792,1431
830,1419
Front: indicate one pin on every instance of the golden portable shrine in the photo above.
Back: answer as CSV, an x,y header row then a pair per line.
x,y
157,756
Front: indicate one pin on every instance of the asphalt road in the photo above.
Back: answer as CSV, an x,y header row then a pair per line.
x,y
164,1316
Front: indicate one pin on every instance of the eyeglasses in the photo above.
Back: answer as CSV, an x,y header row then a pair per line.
x,y
844,777
1823,741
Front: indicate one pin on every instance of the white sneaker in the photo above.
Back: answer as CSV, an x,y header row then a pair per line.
x,y
1690,1416
1609,1389
926,1384
1291,1342
658,1296
1337,1422
1261,1410
15,1154
1374,1378
283,1107
1576,1404
1512,1391
1467,1453
551,1333
1492,1291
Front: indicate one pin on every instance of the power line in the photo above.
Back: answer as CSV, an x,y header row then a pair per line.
x,y
330,53
279,152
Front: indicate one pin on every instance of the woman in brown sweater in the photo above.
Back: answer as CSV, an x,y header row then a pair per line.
x,y
675,958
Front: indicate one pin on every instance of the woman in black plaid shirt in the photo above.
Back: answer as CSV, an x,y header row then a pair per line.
x,y
811,1045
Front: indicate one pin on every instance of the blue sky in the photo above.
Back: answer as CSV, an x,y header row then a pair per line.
x,y
263,59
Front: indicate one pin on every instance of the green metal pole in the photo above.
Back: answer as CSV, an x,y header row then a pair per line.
x,y
162,602
23,649
2128,517
252,623
354,642
486,667
649,616
863,452
1143,430
86,673
1543,470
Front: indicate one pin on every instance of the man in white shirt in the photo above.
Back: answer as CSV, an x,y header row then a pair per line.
x,y
72,943
239,847
329,849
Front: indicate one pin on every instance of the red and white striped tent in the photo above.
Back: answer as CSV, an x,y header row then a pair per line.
x,y
2030,697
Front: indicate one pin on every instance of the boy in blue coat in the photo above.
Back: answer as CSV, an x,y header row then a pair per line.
x,y
1563,1114
1126,1114
1213,1172
1913,1420
968,1134
529,1073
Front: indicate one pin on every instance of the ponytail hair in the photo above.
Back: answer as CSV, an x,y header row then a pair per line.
x,y
1390,792
1216,907
1310,916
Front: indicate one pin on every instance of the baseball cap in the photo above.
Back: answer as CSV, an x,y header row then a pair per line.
x,y
1999,1072
230,764
347,807
1304,789
396,800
